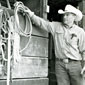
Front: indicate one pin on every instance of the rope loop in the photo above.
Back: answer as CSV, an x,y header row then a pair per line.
x,y
19,7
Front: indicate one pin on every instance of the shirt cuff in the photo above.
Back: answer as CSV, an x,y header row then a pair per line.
x,y
31,14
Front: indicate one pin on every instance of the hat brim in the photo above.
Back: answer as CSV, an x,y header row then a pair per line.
x,y
61,11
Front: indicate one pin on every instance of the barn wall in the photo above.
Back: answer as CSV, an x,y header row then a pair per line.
x,y
35,56
33,67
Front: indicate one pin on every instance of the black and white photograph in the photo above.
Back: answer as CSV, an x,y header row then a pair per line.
x,y
42,42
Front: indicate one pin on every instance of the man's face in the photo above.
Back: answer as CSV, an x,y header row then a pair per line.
x,y
68,18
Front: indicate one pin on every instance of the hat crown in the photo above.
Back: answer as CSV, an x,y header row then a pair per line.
x,y
72,9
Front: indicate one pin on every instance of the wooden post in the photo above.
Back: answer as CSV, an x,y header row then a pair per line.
x,y
8,63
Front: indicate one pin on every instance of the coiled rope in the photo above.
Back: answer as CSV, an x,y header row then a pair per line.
x,y
19,7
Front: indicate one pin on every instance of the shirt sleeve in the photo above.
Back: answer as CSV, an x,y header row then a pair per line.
x,y
82,44
43,24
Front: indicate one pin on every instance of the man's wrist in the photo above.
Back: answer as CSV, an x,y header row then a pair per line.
x,y
31,14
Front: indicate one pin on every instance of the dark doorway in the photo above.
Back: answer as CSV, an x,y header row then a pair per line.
x,y
59,4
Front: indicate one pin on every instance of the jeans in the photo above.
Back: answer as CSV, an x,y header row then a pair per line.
x,y
68,74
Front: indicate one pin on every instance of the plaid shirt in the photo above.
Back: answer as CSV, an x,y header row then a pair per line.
x,y
68,42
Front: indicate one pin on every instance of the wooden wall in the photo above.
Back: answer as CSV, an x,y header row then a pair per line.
x,y
33,67
35,56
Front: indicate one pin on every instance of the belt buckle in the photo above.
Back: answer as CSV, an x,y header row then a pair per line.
x,y
65,60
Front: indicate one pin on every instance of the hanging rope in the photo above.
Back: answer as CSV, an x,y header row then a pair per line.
x,y
19,7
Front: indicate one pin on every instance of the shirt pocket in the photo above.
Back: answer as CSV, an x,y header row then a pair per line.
x,y
74,40
59,39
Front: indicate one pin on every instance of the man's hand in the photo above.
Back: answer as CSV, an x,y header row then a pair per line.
x,y
30,13
83,71
21,7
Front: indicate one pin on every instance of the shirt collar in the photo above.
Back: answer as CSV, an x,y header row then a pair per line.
x,y
67,27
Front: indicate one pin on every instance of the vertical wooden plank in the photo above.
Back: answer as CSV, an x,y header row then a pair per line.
x,y
43,4
82,8
44,9
82,23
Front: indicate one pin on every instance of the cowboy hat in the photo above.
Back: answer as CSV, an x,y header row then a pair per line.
x,y
72,9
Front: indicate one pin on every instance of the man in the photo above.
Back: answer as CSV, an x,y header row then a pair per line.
x,y
69,43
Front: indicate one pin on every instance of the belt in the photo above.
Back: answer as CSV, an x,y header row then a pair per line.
x,y
67,60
